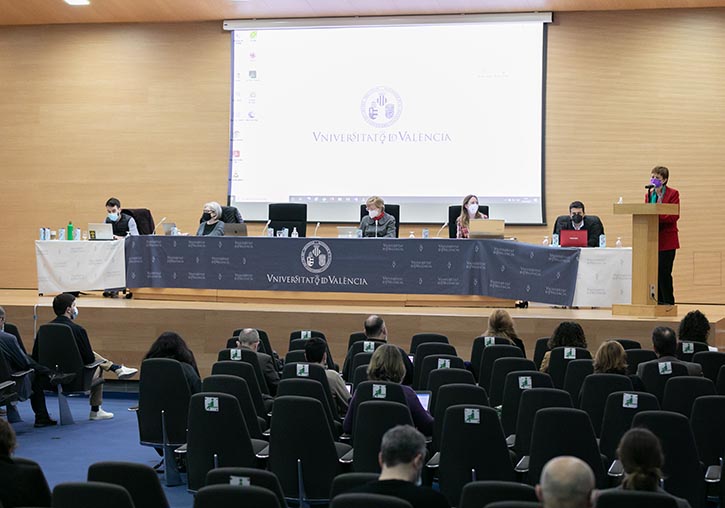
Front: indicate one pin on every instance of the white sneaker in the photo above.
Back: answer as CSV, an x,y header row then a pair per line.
x,y
125,372
100,415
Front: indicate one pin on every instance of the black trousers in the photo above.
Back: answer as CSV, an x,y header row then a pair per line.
x,y
665,292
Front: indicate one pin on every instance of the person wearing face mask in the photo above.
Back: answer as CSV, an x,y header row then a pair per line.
x,y
377,223
66,311
669,240
211,225
122,223
578,220
469,211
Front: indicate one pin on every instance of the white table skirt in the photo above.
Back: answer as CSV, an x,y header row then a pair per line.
x,y
604,277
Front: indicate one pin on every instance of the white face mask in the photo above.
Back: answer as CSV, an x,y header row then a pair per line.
x,y
373,213
472,208
75,313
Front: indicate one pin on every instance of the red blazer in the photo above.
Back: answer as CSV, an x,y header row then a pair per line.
x,y
669,239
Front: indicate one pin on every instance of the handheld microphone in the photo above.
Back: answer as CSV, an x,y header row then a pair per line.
x,y
649,186
316,228
444,226
157,225
264,231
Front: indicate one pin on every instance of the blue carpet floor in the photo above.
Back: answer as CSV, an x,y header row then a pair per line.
x,y
65,452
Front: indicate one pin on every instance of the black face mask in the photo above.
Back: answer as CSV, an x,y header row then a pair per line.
x,y
577,218
206,216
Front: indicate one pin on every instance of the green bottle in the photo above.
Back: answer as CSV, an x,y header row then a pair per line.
x,y
69,231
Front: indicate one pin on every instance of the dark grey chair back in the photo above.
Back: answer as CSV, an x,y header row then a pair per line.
x,y
141,482
251,476
87,494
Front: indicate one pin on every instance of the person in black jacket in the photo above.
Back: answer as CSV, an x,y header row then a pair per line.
x,y
22,483
578,220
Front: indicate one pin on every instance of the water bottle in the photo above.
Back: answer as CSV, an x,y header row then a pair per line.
x,y
69,230
545,243
295,234
619,242
61,234
602,241
412,234
426,233
555,240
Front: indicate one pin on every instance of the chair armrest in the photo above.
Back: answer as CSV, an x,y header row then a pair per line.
x,y
345,438
181,449
511,440
6,384
523,465
434,461
616,470
93,365
713,474
267,433
264,454
21,373
347,458
134,409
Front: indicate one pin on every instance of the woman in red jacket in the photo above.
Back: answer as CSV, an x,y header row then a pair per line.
x,y
669,241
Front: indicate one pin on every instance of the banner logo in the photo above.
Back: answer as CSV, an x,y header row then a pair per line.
x,y
316,256
381,106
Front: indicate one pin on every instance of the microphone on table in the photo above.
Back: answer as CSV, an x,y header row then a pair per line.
x,y
376,228
316,228
441,229
157,225
264,231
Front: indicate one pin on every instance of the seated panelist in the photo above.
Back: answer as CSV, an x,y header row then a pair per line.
x,y
123,224
211,225
377,223
576,220
469,211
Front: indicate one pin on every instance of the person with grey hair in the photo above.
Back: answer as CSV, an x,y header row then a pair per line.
x,y
249,339
566,482
211,224
401,457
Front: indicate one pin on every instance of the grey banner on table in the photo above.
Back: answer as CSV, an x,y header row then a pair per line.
x,y
498,268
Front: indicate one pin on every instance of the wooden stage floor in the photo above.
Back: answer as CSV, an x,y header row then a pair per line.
x,y
122,330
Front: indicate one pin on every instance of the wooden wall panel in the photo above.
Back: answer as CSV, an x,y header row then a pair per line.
x,y
142,111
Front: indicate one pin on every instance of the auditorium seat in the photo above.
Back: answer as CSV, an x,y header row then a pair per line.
x,y
256,478
501,368
390,209
454,211
481,493
629,344
296,356
362,346
77,495
654,378
686,350
359,376
637,356
618,498
441,377
682,391
422,338
711,361
436,362
144,220
304,387
246,356
364,500
348,481
141,482
558,363
427,349
479,343
576,372
232,496
288,215
514,385
490,355
310,371
450,395
355,337
708,421
530,403
540,349
595,391
619,411
373,418
262,405
237,387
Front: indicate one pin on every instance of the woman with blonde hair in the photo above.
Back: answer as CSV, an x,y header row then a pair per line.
x,y
377,223
501,324
387,365
610,359
469,210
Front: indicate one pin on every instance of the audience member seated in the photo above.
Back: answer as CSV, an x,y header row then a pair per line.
x,y
566,482
249,339
695,327
566,334
66,311
377,223
612,359
316,352
500,324
641,455
402,455
664,342
171,345
376,330
386,364
211,220
123,224
21,484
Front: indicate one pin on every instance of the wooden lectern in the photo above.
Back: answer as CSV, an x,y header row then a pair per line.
x,y
645,236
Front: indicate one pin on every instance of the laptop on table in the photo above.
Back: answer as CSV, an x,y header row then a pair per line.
x,y
573,238
100,231
486,228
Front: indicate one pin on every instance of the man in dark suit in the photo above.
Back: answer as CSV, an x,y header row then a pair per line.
x,y
664,342
249,339
22,482
577,220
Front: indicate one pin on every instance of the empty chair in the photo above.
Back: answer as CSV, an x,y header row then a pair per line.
x,y
637,356
490,355
501,368
596,390
683,472
245,371
616,498
629,344
306,334
540,349
686,350
296,356
481,493
473,447
237,387
297,344
141,482
681,392
303,387
708,421
479,344
247,476
579,442
514,385
360,359
360,375
441,377
576,372
656,374
422,338
247,356
619,412
311,371
361,346
355,337
372,419
217,436
302,451
559,359
364,500
530,403
450,395
88,494
288,215
436,362
711,361
427,349
348,481
227,496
